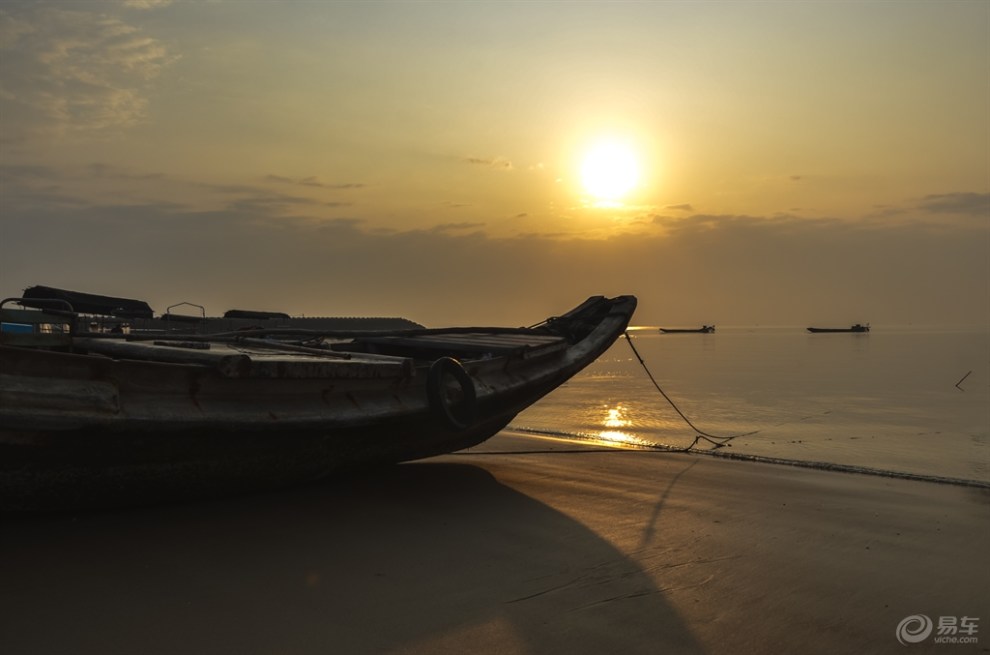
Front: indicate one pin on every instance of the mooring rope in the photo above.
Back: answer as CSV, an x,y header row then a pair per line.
x,y
715,440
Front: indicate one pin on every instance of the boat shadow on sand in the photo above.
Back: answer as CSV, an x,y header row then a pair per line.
x,y
414,558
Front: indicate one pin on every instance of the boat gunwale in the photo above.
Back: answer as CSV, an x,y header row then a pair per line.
x,y
512,373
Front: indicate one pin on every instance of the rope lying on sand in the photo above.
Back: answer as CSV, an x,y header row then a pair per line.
x,y
716,441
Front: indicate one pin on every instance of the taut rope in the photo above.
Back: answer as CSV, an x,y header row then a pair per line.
x,y
715,440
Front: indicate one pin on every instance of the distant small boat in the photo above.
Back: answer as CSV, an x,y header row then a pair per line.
x,y
704,329
853,328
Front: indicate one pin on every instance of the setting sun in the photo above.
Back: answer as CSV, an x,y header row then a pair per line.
x,y
609,171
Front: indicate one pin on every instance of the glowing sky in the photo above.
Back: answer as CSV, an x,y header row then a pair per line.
x,y
797,162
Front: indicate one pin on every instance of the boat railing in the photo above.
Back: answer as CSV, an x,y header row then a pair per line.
x,y
176,322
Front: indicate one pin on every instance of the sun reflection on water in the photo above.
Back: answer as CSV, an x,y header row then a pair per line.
x,y
614,419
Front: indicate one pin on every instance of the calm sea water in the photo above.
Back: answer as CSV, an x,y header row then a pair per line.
x,y
886,400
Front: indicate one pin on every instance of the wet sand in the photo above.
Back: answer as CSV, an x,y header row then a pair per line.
x,y
522,545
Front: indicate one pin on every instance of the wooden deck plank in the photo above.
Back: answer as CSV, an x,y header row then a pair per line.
x,y
474,344
250,362
502,340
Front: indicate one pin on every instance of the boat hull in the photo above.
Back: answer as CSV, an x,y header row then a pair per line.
x,y
857,330
79,430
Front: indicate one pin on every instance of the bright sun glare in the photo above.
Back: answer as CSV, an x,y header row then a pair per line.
x,y
609,171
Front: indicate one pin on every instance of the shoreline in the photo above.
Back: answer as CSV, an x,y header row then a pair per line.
x,y
717,452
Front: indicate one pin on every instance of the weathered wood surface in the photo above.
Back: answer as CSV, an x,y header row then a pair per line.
x,y
228,363
256,360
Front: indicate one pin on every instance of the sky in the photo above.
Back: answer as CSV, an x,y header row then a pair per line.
x,y
785,163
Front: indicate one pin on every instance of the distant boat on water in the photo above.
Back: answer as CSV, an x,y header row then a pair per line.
x,y
853,328
704,329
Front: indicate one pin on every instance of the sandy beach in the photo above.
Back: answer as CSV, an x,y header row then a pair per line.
x,y
522,545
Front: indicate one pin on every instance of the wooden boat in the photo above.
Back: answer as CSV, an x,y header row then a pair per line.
x,y
100,419
853,328
704,329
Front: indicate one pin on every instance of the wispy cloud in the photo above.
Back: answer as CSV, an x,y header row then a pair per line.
x,y
500,163
146,4
102,170
313,181
74,71
457,227
975,204
260,201
22,172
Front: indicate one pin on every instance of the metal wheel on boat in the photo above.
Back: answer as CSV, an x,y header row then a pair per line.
x,y
456,413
